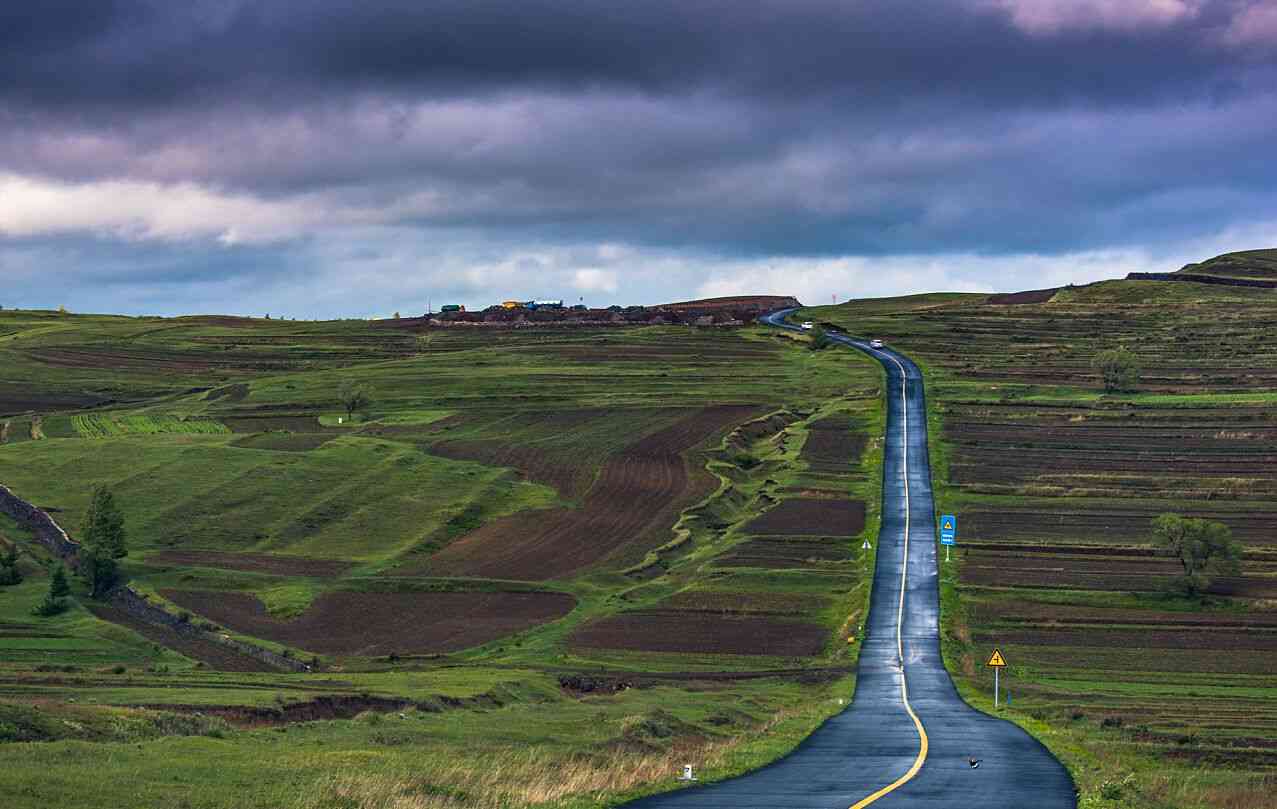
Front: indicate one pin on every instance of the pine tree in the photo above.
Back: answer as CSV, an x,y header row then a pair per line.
x,y
99,570
104,525
9,572
58,589
102,542
58,586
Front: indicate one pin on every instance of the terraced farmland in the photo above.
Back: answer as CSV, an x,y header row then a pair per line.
x,y
1056,483
641,540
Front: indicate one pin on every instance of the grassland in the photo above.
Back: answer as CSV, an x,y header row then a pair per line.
x,y
1153,700
696,609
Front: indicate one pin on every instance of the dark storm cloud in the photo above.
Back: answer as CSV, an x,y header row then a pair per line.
x,y
802,127
159,53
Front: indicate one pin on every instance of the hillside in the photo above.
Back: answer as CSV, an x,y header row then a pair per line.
x,y
1055,483
632,540
1258,265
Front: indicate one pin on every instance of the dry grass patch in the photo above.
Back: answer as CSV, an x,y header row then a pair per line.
x,y
506,778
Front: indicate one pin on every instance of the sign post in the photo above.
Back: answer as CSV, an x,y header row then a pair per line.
x,y
948,533
996,662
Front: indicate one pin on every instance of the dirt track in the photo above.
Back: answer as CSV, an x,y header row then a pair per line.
x,y
637,494
369,624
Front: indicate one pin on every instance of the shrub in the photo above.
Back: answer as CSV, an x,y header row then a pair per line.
x,y
819,339
48,607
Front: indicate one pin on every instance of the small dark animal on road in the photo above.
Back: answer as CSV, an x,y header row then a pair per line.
x,y
974,762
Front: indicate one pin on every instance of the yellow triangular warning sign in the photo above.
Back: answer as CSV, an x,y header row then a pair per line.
x,y
996,660
948,525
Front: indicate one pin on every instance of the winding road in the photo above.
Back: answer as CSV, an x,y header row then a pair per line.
x,y
907,736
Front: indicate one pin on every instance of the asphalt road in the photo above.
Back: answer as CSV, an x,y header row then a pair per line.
x,y
906,738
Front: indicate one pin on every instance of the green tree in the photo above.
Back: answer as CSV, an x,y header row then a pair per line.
x,y
102,542
104,525
58,586
1119,368
58,590
819,339
99,570
1204,549
9,572
354,395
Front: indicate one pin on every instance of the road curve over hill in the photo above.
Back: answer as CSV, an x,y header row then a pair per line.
x,y
907,736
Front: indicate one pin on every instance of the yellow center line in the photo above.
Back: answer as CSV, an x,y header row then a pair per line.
x,y
923,743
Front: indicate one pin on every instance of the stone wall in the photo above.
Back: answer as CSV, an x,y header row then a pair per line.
x,y
48,532
135,604
51,535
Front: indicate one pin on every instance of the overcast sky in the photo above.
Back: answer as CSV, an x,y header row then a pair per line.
x,y
352,158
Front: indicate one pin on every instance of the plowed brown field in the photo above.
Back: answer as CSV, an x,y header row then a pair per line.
x,y
811,517
693,632
637,494
369,624
785,553
833,444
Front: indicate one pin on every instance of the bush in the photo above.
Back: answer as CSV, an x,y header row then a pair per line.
x,y
48,607
819,339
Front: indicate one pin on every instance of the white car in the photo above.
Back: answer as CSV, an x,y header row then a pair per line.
x,y
875,344
807,325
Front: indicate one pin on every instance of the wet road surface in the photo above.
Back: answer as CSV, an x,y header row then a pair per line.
x,y
875,752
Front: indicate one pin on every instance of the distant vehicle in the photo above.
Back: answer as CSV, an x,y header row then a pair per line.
x,y
452,307
512,304
808,325
875,344
545,304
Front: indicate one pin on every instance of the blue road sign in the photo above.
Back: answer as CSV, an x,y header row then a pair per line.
x,y
948,529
